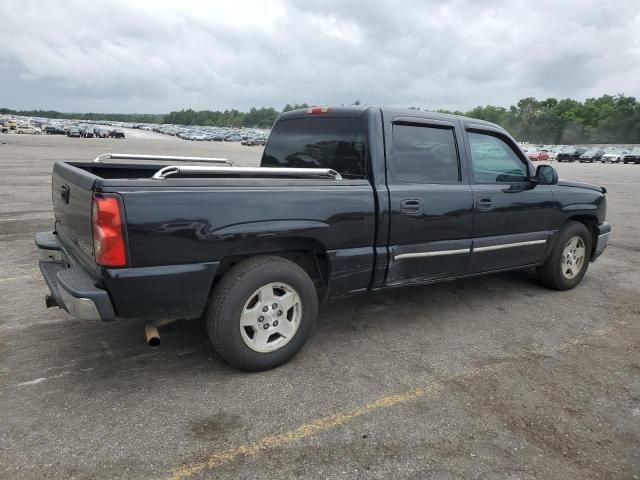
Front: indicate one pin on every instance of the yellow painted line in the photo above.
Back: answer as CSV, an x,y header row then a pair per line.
x,y
281,439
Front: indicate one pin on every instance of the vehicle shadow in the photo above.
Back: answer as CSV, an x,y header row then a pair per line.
x,y
104,352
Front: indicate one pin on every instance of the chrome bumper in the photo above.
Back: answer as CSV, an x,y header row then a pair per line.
x,y
72,288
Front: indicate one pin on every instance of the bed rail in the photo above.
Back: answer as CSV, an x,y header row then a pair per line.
x,y
248,171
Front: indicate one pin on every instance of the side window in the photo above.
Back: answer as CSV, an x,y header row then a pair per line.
x,y
424,154
494,161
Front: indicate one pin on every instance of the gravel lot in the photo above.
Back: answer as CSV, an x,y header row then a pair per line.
x,y
494,377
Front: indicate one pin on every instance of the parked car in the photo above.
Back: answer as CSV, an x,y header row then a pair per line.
x,y
632,157
87,131
538,155
116,133
8,125
570,154
256,141
613,156
101,132
53,130
331,211
591,155
28,129
73,132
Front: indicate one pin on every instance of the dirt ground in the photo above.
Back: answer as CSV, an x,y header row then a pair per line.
x,y
487,378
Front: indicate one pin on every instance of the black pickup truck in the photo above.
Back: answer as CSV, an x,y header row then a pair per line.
x,y
346,200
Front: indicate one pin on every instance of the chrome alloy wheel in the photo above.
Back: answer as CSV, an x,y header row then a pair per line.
x,y
270,317
573,257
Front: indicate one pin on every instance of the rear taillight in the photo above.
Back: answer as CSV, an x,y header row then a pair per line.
x,y
108,236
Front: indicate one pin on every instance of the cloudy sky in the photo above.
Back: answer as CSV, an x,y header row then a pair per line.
x,y
156,56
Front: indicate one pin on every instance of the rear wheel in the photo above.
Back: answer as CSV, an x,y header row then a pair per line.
x,y
261,313
569,259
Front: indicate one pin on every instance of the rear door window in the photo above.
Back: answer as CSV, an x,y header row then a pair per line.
x,y
334,142
424,154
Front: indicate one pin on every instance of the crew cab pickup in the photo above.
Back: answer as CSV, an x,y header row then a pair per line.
x,y
345,200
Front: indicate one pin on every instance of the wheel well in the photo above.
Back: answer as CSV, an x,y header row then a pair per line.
x,y
591,223
309,254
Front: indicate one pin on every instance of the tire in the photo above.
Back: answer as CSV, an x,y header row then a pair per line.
x,y
19,132
552,273
242,346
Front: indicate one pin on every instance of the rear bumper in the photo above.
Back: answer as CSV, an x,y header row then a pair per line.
x,y
149,293
72,288
603,232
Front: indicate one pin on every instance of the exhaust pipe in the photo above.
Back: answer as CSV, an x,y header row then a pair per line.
x,y
151,331
152,334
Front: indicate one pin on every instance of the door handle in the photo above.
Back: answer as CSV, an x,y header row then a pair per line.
x,y
484,204
410,206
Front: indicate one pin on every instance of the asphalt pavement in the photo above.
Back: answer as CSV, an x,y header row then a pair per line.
x,y
491,378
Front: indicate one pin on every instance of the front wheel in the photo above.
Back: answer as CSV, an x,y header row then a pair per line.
x,y
261,313
569,259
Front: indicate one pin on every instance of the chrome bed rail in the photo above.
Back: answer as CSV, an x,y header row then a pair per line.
x,y
249,171
135,156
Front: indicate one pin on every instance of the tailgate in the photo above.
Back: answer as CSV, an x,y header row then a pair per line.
x,y
72,194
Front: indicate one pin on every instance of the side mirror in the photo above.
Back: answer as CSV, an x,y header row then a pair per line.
x,y
546,175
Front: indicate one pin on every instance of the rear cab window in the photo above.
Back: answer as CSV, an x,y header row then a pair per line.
x,y
321,142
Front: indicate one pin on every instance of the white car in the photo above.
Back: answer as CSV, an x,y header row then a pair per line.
x,y
613,156
28,129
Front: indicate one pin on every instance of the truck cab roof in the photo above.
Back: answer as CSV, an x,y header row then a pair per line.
x,y
359,111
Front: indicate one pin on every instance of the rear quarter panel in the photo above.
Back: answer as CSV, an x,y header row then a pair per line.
x,y
182,225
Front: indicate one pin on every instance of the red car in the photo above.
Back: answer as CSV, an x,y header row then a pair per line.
x,y
538,156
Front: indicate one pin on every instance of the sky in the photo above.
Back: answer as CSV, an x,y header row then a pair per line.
x,y
157,56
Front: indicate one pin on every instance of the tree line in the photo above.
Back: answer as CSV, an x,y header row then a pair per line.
x,y
607,119
255,117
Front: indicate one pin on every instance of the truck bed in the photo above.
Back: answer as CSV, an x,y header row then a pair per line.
x,y
183,227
